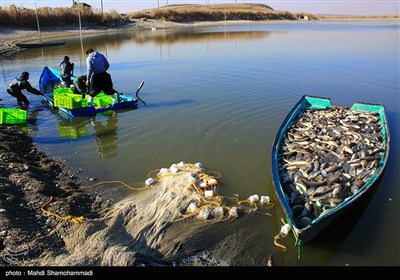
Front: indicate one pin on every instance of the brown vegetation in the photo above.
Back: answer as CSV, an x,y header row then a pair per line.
x,y
217,12
14,16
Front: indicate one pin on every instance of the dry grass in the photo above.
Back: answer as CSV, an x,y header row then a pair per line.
x,y
14,16
216,12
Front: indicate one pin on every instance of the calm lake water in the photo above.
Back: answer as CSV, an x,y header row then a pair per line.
x,y
217,95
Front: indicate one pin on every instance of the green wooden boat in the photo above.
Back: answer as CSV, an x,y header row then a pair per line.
x,y
304,233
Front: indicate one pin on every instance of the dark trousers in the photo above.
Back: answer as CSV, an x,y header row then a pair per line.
x,y
101,82
67,80
21,98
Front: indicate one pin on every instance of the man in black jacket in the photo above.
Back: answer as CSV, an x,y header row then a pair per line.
x,y
66,71
16,87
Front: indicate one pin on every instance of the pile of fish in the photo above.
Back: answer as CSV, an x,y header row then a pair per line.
x,y
327,156
51,86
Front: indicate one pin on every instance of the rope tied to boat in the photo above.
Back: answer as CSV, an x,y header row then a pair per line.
x,y
298,245
283,233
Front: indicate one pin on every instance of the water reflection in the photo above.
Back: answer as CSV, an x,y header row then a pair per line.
x,y
71,130
114,40
171,103
166,36
118,41
106,135
104,127
33,115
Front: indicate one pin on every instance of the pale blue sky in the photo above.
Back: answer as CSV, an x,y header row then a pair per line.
x,y
343,7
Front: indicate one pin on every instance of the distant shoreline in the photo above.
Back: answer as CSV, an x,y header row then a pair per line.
x,y
10,36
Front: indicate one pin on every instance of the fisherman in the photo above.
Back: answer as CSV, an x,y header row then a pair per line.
x,y
16,87
66,71
97,77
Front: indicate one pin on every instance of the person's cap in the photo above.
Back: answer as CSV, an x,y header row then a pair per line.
x,y
24,74
66,58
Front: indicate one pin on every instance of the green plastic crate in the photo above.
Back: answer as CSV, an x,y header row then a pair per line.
x,y
12,116
63,90
71,131
102,100
69,101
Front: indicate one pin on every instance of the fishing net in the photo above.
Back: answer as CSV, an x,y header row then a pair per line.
x,y
176,217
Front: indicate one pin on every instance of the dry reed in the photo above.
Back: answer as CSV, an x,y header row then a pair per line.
x,y
14,16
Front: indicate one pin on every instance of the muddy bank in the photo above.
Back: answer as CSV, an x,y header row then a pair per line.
x,y
28,179
38,205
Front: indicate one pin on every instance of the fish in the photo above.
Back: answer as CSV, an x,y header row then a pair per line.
x,y
313,183
321,190
296,163
326,157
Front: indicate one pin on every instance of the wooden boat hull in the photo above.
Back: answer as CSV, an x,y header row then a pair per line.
x,y
303,235
51,75
39,45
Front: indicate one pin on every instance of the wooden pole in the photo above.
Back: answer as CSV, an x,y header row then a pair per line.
x,y
80,28
37,20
